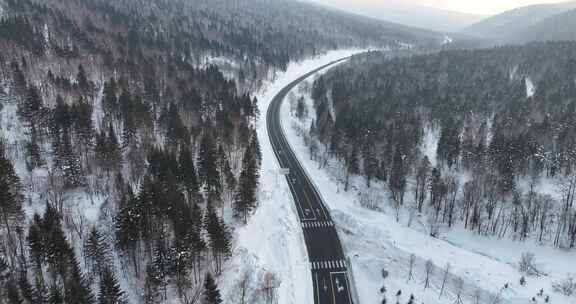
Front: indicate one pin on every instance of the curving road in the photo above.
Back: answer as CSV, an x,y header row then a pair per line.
x,y
327,261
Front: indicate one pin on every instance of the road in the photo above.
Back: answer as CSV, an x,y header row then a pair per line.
x,y
327,261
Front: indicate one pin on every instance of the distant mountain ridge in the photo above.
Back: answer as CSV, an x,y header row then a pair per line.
x,y
424,17
557,27
553,21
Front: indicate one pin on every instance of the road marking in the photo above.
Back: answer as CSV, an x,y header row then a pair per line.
x,y
329,264
309,202
306,223
340,287
298,205
317,289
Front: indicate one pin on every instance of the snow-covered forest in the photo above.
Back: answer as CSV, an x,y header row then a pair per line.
x,y
135,165
128,146
484,138
467,151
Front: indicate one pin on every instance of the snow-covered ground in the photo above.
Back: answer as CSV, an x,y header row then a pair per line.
x,y
272,241
530,88
486,269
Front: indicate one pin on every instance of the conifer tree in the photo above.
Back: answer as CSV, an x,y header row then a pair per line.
x,y
67,161
245,200
207,164
187,174
4,269
211,292
152,285
76,287
160,261
55,295
34,157
255,147
35,242
110,100
397,182
31,107
61,116
219,237
40,294
10,199
101,149
26,289
96,250
12,293
128,224
82,122
113,151
82,80
110,291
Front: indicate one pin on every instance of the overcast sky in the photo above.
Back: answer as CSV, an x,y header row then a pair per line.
x,y
484,7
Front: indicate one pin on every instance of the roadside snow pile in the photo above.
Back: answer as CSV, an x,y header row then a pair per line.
x,y
271,245
461,268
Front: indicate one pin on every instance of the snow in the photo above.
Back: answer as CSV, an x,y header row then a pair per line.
x,y
97,109
530,88
272,240
374,241
430,144
218,61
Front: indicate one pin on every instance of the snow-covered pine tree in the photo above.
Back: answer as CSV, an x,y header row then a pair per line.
x,y
211,292
110,291
245,200
219,237
207,164
187,175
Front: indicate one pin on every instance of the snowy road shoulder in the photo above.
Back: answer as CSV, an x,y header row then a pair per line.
x,y
272,241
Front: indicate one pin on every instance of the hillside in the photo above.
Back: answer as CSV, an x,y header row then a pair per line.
x,y
510,25
557,27
129,153
470,153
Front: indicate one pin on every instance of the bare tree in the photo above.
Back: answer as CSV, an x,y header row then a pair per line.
x,y
429,269
370,198
568,197
271,284
477,296
527,264
459,285
566,286
445,278
243,285
411,267
56,191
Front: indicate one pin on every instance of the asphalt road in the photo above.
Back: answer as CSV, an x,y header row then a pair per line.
x,y
327,261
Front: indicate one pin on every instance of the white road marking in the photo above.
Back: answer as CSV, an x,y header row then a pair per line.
x,y
340,287
297,201
310,223
317,289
